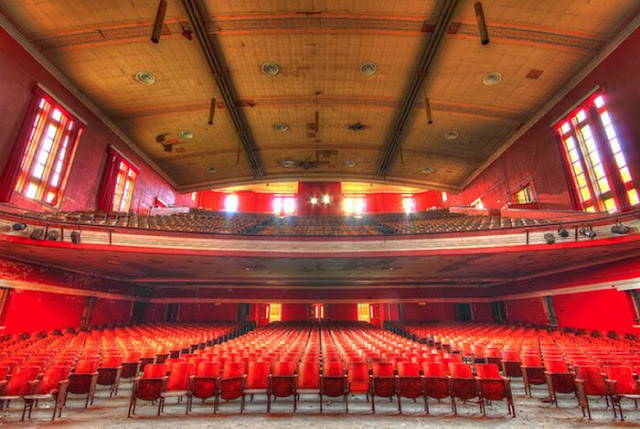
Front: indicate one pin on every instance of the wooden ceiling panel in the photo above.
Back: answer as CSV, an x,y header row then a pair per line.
x,y
478,136
319,46
208,140
599,18
334,124
325,63
249,7
44,19
458,73
189,169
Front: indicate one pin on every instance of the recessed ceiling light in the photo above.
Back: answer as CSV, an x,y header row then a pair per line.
x,y
350,163
212,169
491,79
288,164
451,135
185,135
282,127
270,68
369,68
145,78
427,170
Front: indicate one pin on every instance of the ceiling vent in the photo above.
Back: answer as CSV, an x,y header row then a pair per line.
x,y
270,69
491,79
533,74
282,127
369,68
357,127
428,170
350,163
145,78
451,135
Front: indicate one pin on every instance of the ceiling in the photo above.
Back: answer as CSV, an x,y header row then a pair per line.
x,y
420,47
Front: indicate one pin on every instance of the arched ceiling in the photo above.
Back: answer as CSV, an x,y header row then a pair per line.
x,y
420,47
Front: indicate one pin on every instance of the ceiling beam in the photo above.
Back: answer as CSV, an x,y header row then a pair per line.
x,y
390,149
227,91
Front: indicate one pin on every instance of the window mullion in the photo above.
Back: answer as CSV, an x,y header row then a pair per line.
x,y
587,169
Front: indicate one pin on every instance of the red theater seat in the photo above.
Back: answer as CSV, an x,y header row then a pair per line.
x,y
206,383
258,381
622,384
463,384
559,379
148,387
232,382
383,382
409,383
493,387
51,387
591,382
309,379
178,384
283,381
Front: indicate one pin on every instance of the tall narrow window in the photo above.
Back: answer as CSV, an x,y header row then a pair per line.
x,y
408,204
353,205
317,311
595,158
364,312
4,294
231,203
550,310
635,301
118,181
44,152
284,204
275,312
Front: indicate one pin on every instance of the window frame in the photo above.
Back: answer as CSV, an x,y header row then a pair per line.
x,y
550,310
112,190
582,164
20,173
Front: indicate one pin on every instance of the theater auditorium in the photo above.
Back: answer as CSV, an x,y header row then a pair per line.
x,y
338,213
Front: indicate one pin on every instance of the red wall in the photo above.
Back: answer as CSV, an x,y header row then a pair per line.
x,y
105,311
308,190
30,311
413,312
529,310
605,310
155,313
343,312
208,312
295,312
538,154
255,202
482,312
18,74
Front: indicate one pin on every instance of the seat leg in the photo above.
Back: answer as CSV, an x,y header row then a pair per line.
x,y
320,402
399,405
24,409
426,404
373,403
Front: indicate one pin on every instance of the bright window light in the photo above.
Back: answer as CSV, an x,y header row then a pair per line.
x,y
326,199
408,205
231,203
353,205
444,197
286,205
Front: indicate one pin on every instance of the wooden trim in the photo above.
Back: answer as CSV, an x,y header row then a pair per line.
x,y
62,103
61,290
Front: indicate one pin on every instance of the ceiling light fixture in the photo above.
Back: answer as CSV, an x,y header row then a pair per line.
x,y
212,169
159,23
145,78
350,163
451,135
482,25
492,78
427,170
427,109
185,135
563,232
587,231
288,164
369,68
281,126
270,68
18,226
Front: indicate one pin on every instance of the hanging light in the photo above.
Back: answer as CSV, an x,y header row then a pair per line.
x,y
482,25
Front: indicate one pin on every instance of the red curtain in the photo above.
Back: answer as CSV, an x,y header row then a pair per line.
x,y
108,184
12,169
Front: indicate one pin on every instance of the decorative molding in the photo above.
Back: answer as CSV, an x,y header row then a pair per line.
x,y
61,290
32,50
581,73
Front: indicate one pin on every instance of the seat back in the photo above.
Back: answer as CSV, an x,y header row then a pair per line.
x,y
208,369
333,368
86,367
488,371
594,382
408,369
111,362
309,375
154,370
382,369
460,370
434,369
284,368
51,379
18,384
556,366
626,383
179,377
233,369
258,375
531,360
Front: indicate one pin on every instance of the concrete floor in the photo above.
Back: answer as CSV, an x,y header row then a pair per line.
x,y
112,413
